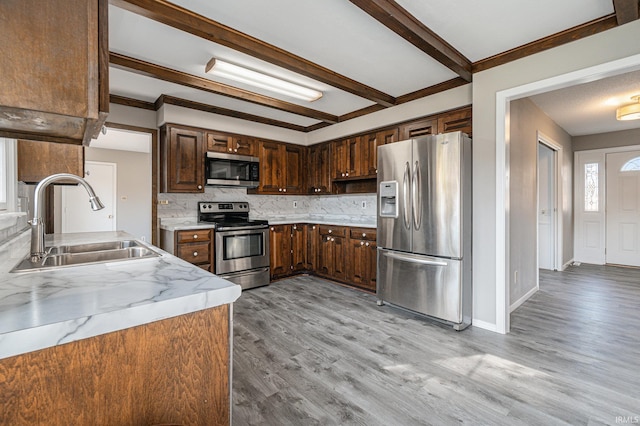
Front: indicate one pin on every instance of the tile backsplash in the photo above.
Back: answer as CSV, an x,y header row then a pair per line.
x,y
355,205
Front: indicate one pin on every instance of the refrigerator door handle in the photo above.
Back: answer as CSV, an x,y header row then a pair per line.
x,y
405,190
417,198
413,259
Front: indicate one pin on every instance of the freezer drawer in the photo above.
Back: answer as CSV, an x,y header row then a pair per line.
x,y
427,285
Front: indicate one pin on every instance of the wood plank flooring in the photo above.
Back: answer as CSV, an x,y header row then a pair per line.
x,y
311,352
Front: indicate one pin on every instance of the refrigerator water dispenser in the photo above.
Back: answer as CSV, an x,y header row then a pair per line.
x,y
388,197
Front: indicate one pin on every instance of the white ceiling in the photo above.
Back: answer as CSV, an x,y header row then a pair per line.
x,y
339,36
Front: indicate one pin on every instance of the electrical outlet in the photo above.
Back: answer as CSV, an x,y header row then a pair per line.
x,y
295,204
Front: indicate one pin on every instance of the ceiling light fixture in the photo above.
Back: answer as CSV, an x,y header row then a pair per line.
x,y
244,75
631,111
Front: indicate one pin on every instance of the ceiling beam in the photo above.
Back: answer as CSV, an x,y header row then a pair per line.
x,y
626,11
554,40
167,74
172,100
399,20
201,26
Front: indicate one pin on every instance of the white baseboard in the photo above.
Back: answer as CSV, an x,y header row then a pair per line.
x,y
566,265
515,305
484,325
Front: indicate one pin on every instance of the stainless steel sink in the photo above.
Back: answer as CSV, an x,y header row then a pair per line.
x,y
86,254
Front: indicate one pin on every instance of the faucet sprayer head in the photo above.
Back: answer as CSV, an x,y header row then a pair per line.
x,y
96,204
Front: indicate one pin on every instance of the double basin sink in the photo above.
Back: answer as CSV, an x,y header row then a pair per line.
x,y
84,254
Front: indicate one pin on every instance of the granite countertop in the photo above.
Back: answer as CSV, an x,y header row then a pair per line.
x,y
46,308
183,223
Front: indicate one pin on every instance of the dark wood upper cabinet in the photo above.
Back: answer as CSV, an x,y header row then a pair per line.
x,y
414,129
319,170
37,160
230,144
458,120
54,67
182,156
281,168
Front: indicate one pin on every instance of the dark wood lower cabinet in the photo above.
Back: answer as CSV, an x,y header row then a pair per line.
x,y
338,253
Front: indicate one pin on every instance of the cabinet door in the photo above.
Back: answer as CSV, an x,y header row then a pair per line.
x,y
459,120
37,160
339,258
357,263
313,239
299,247
418,128
280,250
243,145
325,256
369,144
320,169
294,176
339,155
354,158
183,165
271,167
218,142
387,136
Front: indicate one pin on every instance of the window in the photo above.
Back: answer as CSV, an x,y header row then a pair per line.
x,y
7,174
3,175
632,165
591,187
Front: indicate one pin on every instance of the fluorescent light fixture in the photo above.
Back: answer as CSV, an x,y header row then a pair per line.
x,y
244,75
631,111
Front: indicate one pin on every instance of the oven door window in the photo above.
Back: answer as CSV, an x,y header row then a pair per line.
x,y
228,169
241,246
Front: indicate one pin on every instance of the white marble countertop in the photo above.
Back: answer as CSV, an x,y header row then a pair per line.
x,y
182,223
46,308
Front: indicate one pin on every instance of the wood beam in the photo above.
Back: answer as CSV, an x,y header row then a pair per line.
x,y
167,74
399,20
172,100
201,26
558,39
626,11
136,103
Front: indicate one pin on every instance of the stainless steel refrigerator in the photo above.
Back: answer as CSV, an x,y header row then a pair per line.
x,y
424,226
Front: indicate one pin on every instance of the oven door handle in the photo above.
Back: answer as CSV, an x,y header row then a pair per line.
x,y
241,228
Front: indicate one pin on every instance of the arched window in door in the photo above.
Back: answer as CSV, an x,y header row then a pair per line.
x,y
632,165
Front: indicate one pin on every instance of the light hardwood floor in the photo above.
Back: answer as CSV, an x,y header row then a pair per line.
x,y
311,352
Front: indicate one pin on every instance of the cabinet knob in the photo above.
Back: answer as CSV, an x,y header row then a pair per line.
x,y
361,243
235,150
330,231
333,239
279,189
364,235
272,228
314,227
342,174
195,254
284,190
199,186
229,149
195,236
295,227
367,244
347,174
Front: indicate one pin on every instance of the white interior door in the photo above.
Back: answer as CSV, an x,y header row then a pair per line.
x,y
623,208
77,215
588,207
546,207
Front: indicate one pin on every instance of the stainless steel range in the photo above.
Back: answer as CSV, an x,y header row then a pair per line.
x,y
241,244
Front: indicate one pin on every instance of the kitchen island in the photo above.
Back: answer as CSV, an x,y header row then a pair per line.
x,y
141,341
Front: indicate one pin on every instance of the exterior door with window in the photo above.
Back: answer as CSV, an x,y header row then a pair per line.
x,y
623,208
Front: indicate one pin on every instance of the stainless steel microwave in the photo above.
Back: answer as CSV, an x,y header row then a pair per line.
x,y
231,170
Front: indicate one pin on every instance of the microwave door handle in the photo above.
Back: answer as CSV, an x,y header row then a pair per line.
x,y
417,196
405,192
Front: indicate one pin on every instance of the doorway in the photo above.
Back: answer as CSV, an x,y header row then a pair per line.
x,y
75,218
546,207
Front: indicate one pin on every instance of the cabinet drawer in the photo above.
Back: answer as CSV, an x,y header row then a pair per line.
x,y
195,252
367,234
194,235
339,231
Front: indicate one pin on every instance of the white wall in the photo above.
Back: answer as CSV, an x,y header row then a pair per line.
x,y
138,117
607,140
520,77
